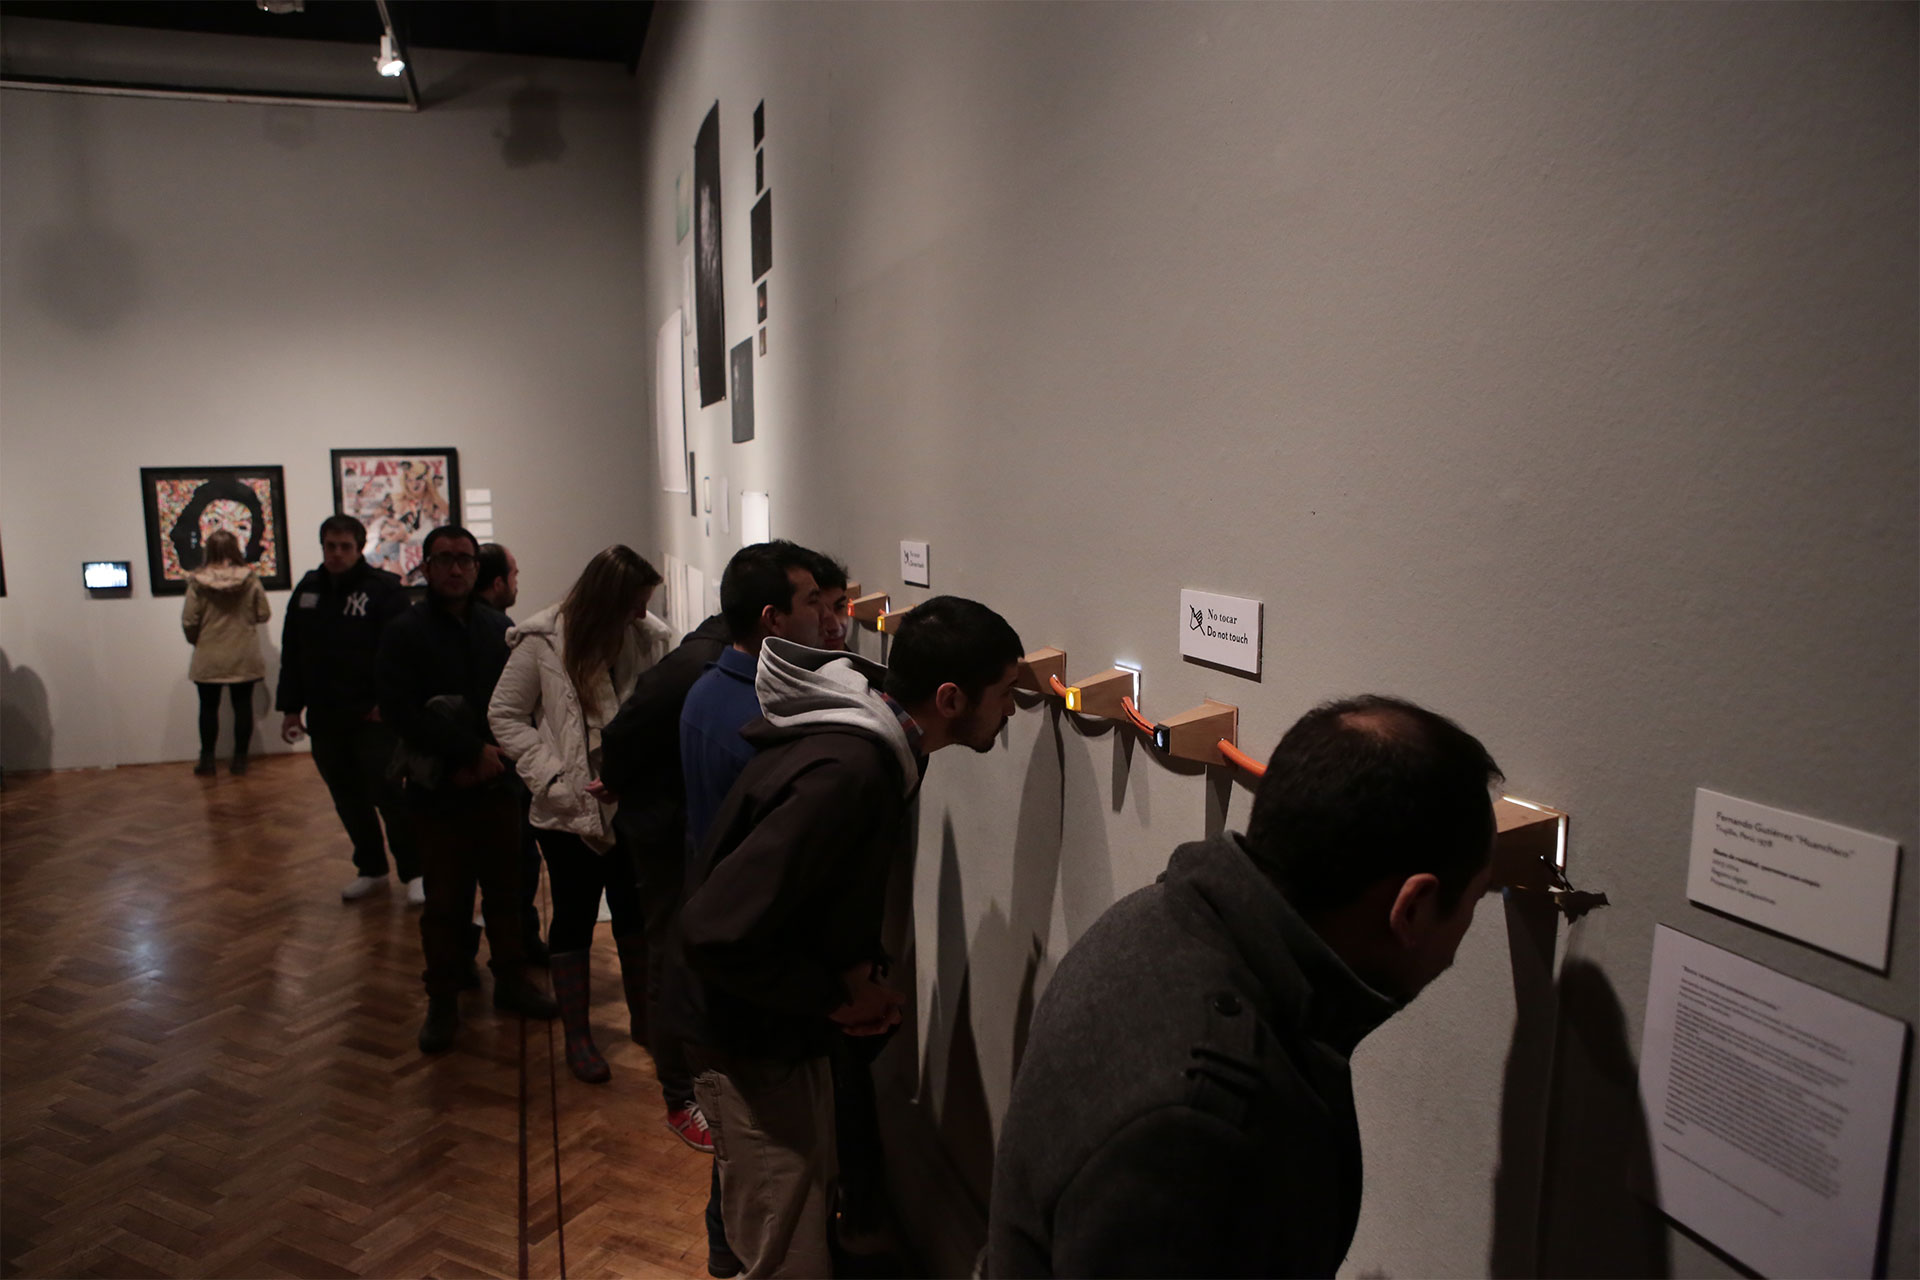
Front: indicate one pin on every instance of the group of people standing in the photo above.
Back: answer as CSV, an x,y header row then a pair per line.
x,y
741,799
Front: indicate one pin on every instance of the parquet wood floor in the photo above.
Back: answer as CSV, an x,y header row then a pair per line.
x,y
207,1062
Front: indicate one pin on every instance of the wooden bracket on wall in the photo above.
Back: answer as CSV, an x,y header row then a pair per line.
x,y
1100,695
853,593
1037,666
1529,846
1196,734
890,619
868,609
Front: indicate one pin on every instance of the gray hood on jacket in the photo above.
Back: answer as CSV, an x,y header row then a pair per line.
x,y
804,690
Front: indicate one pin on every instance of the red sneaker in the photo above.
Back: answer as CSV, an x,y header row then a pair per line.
x,y
690,1127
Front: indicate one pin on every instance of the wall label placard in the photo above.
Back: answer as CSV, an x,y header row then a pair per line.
x,y
1770,1110
1223,630
913,564
1827,885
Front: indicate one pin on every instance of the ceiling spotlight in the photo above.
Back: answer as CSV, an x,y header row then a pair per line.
x,y
388,61
282,6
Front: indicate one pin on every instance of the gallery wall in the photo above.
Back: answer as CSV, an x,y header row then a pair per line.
x,y
1552,365
187,283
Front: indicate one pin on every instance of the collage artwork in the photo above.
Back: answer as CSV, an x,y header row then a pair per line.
x,y
400,496
186,505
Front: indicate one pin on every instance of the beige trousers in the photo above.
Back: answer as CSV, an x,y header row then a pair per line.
x,y
773,1140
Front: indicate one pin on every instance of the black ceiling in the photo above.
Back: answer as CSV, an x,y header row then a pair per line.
x,y
601,30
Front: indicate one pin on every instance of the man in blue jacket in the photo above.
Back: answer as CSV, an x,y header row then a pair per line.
x,y
767,591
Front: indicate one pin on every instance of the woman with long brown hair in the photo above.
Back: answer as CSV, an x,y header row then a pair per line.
x,y
570,668
224,608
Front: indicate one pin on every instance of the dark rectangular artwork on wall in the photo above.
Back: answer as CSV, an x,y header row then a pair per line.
x,y
761,293
709,288
743,392
760,122
184,506
760,169
763,236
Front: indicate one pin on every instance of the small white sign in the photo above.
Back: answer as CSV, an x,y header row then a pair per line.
x,y
1827,885
482,529
756,518
1223,630
913,564
1769,1107
481,496
479,511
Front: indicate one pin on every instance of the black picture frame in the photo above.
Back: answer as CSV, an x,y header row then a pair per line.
x,y
373,486
710,293
762,237
175,502
742,391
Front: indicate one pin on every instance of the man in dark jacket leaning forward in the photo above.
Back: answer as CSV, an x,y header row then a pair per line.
x,y
1184,1107
782,929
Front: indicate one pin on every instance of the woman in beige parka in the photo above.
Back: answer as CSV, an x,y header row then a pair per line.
x,y
225,606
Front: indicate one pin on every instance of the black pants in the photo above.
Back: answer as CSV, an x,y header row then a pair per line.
x,y
466,839
242,695
352,756
529,874
578,876
660,877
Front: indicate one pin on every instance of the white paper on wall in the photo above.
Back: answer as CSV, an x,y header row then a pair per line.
x,y
670,407
1769,1107
686,300
696,596
756,518
481,529
480,496
676,584
479,511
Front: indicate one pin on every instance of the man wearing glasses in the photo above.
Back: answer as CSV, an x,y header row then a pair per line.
x,y
437,667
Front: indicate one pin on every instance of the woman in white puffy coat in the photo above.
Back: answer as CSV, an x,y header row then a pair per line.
x,y
570,667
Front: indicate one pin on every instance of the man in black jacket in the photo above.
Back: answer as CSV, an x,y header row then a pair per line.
x,y
438,664
782,929
640,767
1185,1107
327,648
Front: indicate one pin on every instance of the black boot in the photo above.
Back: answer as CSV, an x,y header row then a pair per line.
x,y
633,979
239,763
570,989
443,1019
206,766
517,995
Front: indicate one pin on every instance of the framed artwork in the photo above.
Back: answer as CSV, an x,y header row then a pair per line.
x,y
710,314
185,505
401,495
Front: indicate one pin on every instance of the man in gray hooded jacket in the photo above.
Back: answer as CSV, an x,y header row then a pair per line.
x,y
782,928
1184,1107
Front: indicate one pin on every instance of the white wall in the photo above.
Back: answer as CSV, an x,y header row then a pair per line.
x,y
1553,365
201,284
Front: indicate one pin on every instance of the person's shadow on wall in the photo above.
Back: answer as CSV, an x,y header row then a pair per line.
x,y
1572,1196
26,722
